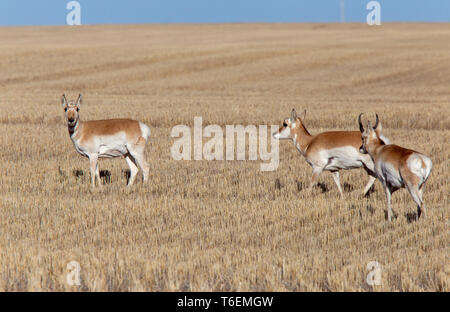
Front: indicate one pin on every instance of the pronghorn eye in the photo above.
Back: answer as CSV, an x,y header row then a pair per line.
x,y
284,124
65,109
78,109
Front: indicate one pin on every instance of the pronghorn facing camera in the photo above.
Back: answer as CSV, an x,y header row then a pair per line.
x,y
107,139
330,151
396,167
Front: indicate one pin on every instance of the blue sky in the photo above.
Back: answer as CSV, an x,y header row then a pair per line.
x,y
53,12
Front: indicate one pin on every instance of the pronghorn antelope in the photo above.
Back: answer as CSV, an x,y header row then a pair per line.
x,y
395,166
107,139
331,151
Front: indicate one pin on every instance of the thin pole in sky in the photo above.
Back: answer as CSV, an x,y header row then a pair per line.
x,y
342,11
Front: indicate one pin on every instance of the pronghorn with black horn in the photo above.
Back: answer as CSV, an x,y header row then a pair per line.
x,y
330,151
396,167
107,139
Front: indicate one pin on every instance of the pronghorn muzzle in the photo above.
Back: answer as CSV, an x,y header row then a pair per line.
x,y
362,150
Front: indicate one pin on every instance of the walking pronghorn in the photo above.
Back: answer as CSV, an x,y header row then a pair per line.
x,y
330,151
107,139
395,166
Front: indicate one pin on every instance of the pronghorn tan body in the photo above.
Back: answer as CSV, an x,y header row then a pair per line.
x,y
396,167
107,139
330,151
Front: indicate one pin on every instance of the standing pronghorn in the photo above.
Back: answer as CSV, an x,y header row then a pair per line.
x,y
395,166
331,151
107,139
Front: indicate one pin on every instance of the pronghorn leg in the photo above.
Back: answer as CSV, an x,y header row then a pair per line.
x,y
415,193
423,209
316,173
97,175
369,168
93,161
388,199
338,182
133,168
369,184
144,166
137,151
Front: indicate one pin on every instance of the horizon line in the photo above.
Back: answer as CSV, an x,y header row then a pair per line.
x,y
225,23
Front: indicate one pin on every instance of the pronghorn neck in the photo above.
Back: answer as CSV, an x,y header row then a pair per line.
x,y
301,138
74,128
374,146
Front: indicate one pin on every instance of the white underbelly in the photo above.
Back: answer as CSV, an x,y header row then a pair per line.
x,y
112,150
393,180
346,157
390,175
342,163
103,146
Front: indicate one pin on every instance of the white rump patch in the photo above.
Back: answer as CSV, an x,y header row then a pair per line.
x,y
415,165
145,130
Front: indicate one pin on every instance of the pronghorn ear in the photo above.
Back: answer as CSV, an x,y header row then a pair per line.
x,y
63,100
80,99
293,115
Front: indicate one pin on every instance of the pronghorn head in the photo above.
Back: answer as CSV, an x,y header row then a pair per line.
x,y
71,109
289,124
370,134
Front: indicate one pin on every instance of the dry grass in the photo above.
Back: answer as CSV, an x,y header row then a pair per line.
x,y
219,225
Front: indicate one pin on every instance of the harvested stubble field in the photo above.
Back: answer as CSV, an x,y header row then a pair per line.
x,y
219,225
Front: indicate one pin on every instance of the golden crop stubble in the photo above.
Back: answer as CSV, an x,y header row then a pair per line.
x,y
219,225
